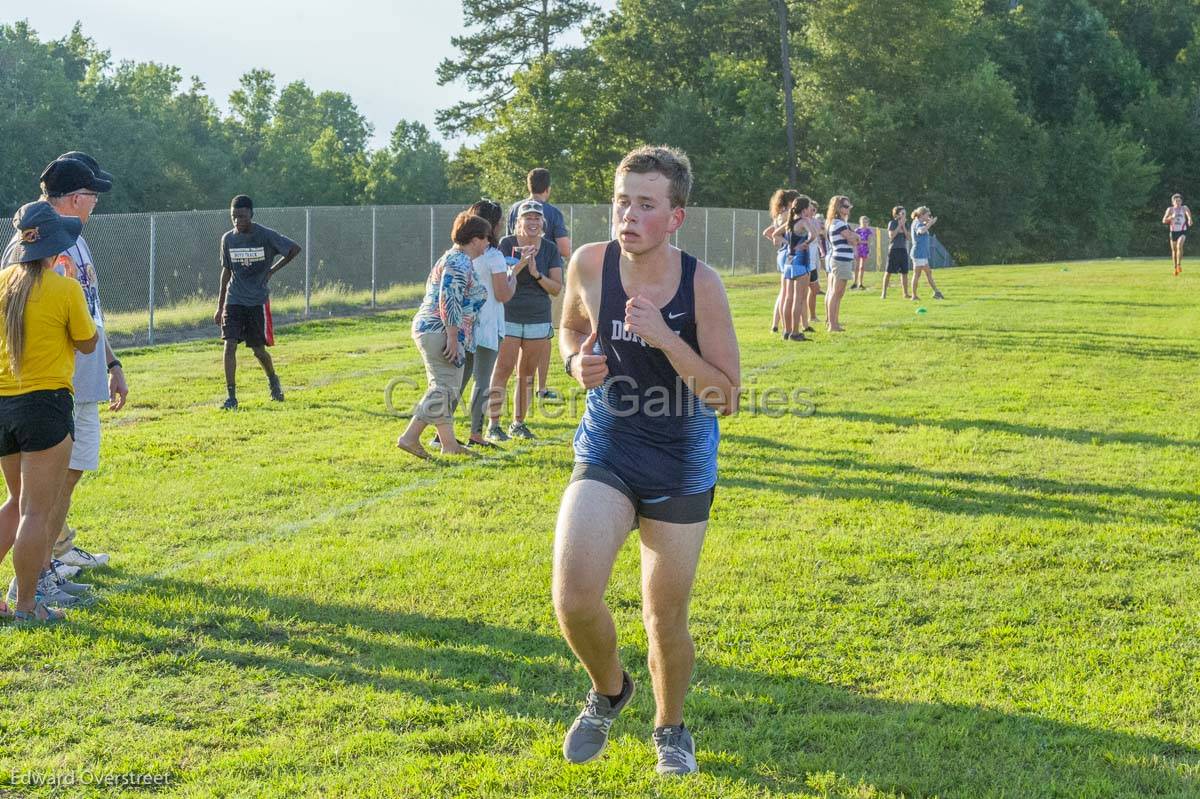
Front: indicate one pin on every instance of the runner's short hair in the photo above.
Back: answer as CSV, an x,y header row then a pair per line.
x,y
669,162
468,227
242,201
538,180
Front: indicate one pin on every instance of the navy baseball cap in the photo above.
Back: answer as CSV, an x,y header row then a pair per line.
x,y
65,175
42,232
92,164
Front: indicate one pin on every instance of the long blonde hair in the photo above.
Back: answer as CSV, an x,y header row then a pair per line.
x,y
832,214
14,298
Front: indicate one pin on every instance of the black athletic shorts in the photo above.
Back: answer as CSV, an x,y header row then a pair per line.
x,y
1178,234
685,509
36,421
246,323
897,261
813,275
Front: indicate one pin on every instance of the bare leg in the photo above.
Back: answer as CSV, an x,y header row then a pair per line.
x,y
593,523
670,554
887,278
10,512
42,477
788,307
264,358
532,351
231,363
61,508
506,361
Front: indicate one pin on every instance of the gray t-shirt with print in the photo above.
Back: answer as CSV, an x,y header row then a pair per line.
x,y
249,257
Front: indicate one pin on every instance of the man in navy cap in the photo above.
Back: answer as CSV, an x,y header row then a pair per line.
x,y
72,184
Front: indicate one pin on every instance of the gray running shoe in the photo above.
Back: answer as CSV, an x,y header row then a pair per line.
x,y
588,736
676,751
65,585
47,590
496,434
519,430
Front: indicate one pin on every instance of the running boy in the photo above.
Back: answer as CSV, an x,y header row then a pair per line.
x,y
646,328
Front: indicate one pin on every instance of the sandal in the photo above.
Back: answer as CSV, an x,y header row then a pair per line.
x,y
39,615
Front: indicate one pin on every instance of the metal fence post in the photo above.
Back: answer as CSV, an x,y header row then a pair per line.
x,y
705,235
733,247
431,256
150,323
571,224
373,264
307,261
757,242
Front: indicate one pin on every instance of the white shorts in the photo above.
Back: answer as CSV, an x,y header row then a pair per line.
x,y
920,262
85,455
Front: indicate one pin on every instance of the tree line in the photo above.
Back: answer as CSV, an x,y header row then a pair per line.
x,y
1036,130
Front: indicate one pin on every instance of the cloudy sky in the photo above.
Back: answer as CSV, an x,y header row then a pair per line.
x,y
382,53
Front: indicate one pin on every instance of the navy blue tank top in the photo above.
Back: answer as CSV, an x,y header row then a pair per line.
x,y
644,423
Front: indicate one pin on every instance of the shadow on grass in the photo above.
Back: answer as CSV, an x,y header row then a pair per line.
x,y
1050,341
755,729
950,491
1074,435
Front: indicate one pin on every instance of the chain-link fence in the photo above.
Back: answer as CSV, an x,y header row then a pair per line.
x,y
160,273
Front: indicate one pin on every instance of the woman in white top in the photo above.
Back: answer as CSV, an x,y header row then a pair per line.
x,y
491,271
1179,217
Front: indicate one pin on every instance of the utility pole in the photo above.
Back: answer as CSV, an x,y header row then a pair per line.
x,y
788,105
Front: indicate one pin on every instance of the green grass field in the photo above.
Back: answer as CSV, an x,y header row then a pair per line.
x,y
971,572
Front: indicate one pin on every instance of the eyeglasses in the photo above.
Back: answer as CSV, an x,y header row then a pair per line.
x,y
91,194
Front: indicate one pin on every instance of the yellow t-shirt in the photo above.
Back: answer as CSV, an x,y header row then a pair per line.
x,y
55,315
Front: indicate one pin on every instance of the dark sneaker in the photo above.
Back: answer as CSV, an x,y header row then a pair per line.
x,y
676,751
496,434
549,395
519,430
937,295
588,736
230,404
276,389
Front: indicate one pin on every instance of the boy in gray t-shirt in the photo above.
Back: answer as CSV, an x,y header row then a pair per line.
x,y
248,260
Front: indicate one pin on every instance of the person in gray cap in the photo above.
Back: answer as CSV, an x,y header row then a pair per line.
x,y
45,320
71,184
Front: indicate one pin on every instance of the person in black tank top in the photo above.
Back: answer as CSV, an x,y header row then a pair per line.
x,y
647,330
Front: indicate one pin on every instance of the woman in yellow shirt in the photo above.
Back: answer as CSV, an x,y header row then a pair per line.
x,y
44,319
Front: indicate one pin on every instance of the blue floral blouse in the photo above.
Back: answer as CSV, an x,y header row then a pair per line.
x,y
452,297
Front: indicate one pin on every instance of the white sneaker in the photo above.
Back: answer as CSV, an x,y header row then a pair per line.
x,y
77,556
64,570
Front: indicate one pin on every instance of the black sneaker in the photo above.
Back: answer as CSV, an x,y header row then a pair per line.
x,y
230,404
276,389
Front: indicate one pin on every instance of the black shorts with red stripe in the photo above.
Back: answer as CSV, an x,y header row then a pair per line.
x,y
246,323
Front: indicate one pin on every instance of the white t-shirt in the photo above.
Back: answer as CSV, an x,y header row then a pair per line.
x,y
489,322
91,369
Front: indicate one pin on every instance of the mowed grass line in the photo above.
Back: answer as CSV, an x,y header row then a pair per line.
x,y
970,572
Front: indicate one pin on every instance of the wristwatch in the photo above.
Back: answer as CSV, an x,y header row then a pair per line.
x,y
113,364
567,363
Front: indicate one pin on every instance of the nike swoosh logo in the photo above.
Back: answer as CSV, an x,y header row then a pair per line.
x,y
676,315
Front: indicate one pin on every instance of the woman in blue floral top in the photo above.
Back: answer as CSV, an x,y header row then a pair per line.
x,y
443,329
